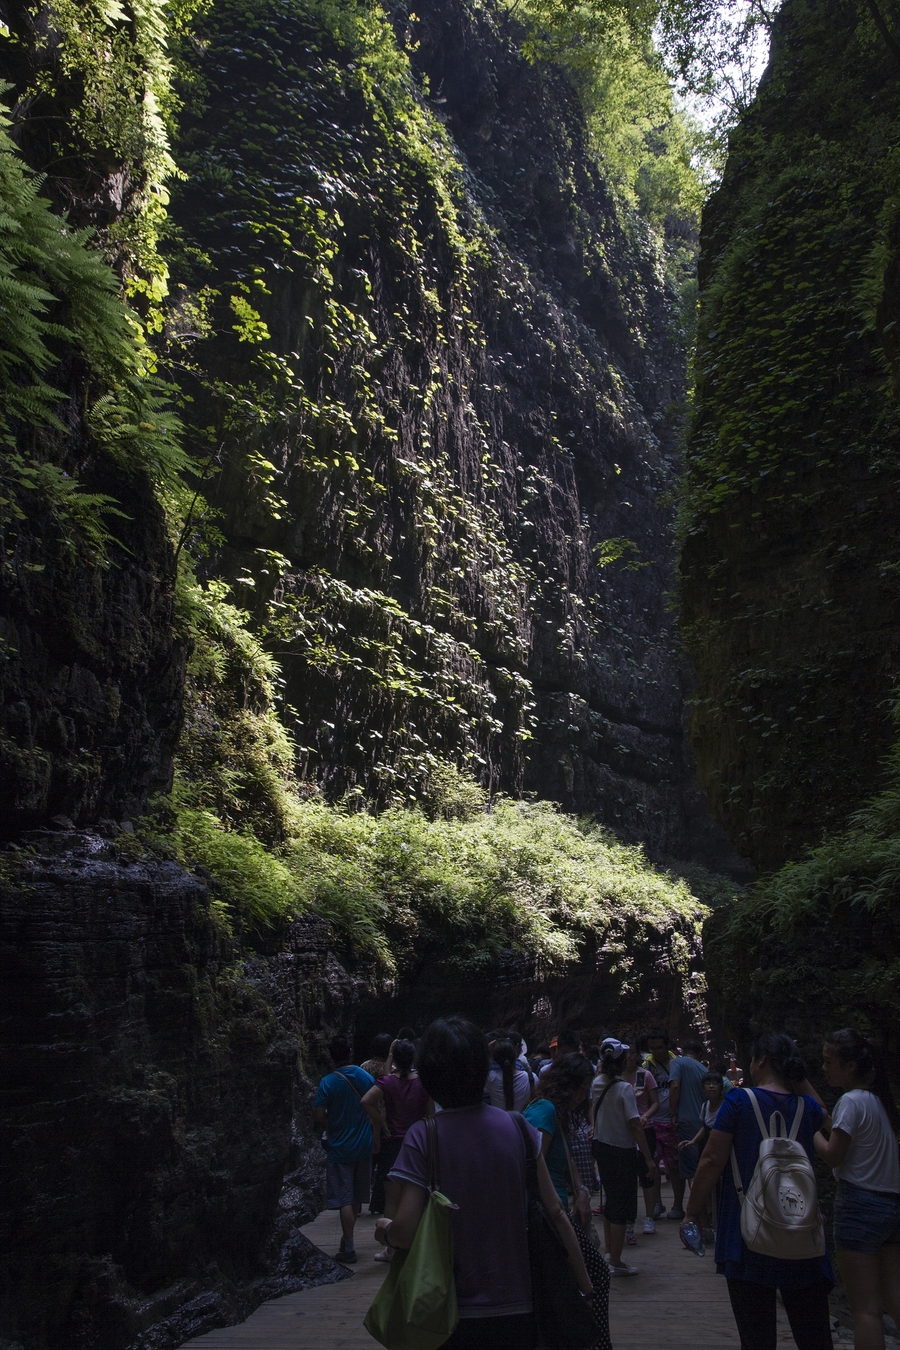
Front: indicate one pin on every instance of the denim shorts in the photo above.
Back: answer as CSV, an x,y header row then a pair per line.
x,y
865,1221
347,1183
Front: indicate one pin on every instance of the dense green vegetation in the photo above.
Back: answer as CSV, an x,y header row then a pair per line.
x,y
649,147
818,942
457,879
405,887
60,304
789,559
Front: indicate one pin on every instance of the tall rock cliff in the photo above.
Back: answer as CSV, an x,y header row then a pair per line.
x,y
789,570
791,553
430,387
91,668
437,375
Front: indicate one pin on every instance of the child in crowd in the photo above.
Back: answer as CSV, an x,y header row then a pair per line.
x,y
714,1095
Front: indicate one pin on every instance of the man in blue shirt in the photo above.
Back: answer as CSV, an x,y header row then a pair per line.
x,y
686,1074
349,1140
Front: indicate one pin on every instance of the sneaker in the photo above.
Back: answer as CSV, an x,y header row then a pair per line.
x,y
622,1270
598,1211
675,1214
649,1226
630,1239
658,1210
386,1255
345,1258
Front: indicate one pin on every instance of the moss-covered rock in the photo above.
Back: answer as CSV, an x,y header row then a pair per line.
x,y
789,593
157,1093
437,371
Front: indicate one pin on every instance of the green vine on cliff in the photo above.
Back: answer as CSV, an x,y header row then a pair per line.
x,y
60,301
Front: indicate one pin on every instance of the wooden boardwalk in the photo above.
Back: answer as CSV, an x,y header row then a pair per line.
x,y
677,1302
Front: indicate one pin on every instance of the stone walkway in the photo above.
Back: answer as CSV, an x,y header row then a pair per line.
x,y
677,1302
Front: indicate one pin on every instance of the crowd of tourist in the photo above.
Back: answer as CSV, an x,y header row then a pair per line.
x,y
604,1121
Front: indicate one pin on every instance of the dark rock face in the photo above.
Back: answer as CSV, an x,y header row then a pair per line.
x,y
91,667
157,1100
790,609
499,406
92,674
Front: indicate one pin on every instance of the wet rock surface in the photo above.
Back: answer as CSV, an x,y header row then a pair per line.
x,y
441,536
92,675
157,1147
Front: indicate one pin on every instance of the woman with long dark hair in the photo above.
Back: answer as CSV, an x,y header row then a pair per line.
x,y
508,1086
482,1166
779,1084
862,1150
396,1102
561,1101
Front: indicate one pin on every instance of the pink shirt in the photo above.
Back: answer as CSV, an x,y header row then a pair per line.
x,y
645,1077
405,1102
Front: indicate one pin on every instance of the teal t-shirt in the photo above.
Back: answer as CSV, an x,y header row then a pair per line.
x,y
542,1115
690,1074
349,1129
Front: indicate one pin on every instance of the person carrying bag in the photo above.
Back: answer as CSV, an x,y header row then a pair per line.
x,y
483,1167
562,1313
416,1308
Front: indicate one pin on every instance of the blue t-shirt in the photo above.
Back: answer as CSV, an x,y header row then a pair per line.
x,y
348,1126
542,1115
690,1074
733,1258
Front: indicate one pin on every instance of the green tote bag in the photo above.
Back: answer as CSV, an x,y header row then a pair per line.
x,y
415,1308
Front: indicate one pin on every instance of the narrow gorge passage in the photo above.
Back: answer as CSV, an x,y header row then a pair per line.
x,y
331,1317
449,483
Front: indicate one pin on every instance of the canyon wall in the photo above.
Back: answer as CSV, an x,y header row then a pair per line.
x,y
788,573
438,373
429,374
157,1141
788,585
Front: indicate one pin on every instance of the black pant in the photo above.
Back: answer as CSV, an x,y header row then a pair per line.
x,y
383,1161
753,1306
493,1333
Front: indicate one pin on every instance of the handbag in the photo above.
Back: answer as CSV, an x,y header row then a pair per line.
x,y
596,1151
415,1308
591,1229
562,1313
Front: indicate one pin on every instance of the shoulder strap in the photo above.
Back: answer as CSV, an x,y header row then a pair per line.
x,y
531,1177
798,1116
432,1158
756,1111
599,1101
351,1084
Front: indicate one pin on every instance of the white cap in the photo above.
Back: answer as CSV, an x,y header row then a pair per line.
x,y
617,1047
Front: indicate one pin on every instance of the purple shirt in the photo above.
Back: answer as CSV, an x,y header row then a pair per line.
x,y
405,1102
482,1170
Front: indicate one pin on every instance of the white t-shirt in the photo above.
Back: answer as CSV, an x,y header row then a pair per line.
x,y
619,1106
521,1088
872,1160
709,1113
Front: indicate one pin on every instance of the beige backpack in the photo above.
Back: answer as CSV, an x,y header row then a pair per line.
x,y
780,1210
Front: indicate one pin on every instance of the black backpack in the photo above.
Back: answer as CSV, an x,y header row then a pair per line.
x,y
563,1315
